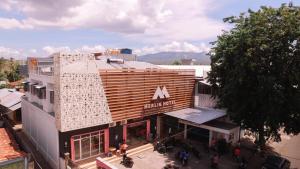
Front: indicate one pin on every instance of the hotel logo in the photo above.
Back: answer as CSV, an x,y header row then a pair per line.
x,y
161,93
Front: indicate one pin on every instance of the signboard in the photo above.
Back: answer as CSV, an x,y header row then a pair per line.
x,y
160,100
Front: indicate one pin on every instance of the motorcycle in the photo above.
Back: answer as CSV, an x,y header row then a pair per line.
x,y
243,164
163,148
127,162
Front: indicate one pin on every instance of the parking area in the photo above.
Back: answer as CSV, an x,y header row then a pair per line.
x,y
153,160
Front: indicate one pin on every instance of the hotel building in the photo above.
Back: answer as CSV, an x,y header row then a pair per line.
x,y
83,104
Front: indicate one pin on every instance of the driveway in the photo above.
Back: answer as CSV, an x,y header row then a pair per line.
x,y
153,160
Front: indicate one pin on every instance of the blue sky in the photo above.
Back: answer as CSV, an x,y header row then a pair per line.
x,y
40,27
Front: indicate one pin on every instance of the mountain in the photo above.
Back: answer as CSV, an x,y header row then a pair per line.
x,y
162,58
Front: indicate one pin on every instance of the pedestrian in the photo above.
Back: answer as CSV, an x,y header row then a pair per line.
x,y
186,157
123,147
237,153
215,160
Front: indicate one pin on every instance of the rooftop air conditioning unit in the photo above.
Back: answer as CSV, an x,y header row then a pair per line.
x,y
123,122
113,124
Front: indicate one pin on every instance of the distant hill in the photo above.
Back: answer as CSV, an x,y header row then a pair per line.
x,y
169,57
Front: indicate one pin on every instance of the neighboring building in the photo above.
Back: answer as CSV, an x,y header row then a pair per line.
x,y
220,128
82,104
188,61
10,154
125,54
10,104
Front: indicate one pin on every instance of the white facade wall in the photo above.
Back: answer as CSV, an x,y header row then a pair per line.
x,y
40,127
79,97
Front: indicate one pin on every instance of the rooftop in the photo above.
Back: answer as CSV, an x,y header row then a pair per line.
x,y
9,149
10,98
197,116
200,70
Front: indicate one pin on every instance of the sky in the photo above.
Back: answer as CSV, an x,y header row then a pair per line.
x,y
41,27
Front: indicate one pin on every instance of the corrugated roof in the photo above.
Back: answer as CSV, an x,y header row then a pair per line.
x,y
4,92
198,116
11,98
15,107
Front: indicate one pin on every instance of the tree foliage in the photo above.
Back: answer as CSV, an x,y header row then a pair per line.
x,y
256,70
9,70
176,62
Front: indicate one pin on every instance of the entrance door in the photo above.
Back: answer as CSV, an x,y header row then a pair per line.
x,y
87,145
198,134
153,127
137,133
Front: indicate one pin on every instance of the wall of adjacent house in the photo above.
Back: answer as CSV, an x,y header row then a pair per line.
x,y
79,99
40,128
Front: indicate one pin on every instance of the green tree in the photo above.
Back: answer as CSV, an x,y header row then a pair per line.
x,y
13,73
176,62
2,65
255,67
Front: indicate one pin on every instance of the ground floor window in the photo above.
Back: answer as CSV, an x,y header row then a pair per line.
x,y
87,145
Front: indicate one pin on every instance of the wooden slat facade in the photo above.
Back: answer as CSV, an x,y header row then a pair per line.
x,y
127,91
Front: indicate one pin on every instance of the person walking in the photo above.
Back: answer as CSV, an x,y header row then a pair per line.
x,y
237,153
215,161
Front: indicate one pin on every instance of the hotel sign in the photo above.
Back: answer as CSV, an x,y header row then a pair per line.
x,y
160,99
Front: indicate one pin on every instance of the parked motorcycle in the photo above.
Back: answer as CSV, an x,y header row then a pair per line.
x,y
160,147
243,164
163,148
127,162
196,153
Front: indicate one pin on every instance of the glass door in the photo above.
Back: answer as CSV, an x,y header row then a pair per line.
x,y
87,145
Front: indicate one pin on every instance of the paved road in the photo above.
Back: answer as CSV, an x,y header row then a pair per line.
x,y
289,147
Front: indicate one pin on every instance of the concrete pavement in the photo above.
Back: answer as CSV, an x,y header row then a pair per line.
x,y
289,147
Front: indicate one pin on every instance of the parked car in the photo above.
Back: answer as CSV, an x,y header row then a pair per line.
x,y
276,162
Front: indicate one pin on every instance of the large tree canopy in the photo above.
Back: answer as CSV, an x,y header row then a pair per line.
x,y
256,70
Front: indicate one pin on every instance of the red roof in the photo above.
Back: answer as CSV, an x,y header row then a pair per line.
x,y
9,149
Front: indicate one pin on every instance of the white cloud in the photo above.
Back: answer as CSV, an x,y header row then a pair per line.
x,y
45,51
84,49
174,47
33,51
8,52
90,49
50,49
155,20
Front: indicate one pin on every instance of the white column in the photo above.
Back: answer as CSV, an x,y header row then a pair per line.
x,y
185,131
196,95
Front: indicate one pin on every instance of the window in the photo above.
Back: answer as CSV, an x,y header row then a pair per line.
x,y
52,97
87,145
32,89
42,93
204,89
26,86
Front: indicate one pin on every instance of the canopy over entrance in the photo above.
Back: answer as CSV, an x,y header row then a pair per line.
x,y
207,118
197,116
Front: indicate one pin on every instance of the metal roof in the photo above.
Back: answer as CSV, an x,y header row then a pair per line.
x,y
221,124
15,107
200,70
4,92
10,98
198,116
